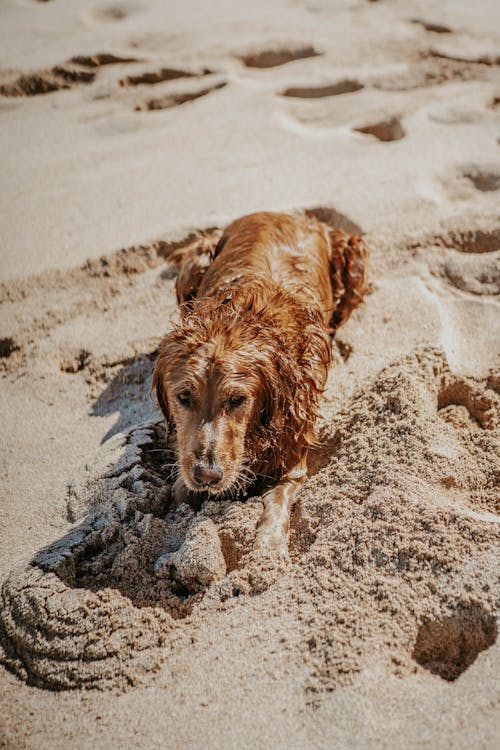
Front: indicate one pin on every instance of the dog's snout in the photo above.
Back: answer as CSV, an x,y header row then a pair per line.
x,y
205,475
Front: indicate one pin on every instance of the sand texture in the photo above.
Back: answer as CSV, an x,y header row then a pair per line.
x,y
129,129
376,552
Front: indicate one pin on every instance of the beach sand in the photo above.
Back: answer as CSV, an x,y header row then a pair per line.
x,y
127,128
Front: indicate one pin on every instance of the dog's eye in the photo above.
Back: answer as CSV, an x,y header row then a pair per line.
x,y
185,398
236,401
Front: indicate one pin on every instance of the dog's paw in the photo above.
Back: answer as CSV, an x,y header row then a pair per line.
x,y
273,549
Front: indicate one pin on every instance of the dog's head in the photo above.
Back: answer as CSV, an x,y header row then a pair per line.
x,y
207,382
227,379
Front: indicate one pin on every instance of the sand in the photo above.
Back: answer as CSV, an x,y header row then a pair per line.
x,y
124,623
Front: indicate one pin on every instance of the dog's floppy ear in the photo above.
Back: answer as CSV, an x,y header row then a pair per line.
x,y
157,385
193,261
348,271
291,387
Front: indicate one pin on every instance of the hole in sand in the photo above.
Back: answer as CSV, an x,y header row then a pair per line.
x,y
462,404
318,92
334,219
174,100
273,58
447,647
485,180
159,76
7,347
386,130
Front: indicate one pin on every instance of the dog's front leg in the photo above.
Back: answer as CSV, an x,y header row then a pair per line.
x,y
274,524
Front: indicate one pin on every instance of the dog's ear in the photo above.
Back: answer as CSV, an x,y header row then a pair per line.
x,y
276,424
268,407
193,261
348,272
291,388
157,385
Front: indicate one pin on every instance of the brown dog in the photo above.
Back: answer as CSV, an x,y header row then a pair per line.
x,y
240,378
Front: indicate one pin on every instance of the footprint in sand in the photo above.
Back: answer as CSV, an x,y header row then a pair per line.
x,y
469,240
81,69
432,70
473,262
112,13
310,107
475,275
271,58
464,282
486,179
487,59
334,219
170,100
467,181
385,130
346,86
435,28
164,74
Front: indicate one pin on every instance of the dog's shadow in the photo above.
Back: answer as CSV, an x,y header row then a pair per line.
x,y
128,394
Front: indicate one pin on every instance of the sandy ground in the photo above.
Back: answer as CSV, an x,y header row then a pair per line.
x,y
126,127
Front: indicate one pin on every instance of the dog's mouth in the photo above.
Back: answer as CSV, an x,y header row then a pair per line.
x,y
215,481
213,489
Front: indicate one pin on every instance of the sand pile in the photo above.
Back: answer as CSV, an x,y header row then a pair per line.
x,y
392,546
97,606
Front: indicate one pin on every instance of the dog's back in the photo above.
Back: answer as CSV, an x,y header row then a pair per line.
x,y
326,268
292,252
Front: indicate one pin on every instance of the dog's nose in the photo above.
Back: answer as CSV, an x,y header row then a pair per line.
x,y
204,475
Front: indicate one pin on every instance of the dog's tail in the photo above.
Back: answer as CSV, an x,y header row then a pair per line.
x,y
348,270
191,258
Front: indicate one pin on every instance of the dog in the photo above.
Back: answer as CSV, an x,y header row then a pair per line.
x,y
240,378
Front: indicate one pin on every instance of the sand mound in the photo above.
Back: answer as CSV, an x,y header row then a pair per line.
x,y
404,509
390,545
98,605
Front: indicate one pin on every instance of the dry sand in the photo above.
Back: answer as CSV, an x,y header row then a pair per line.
x,y
126,128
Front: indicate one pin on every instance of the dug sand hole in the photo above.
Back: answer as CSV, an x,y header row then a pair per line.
x,y
447,647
